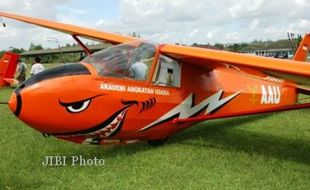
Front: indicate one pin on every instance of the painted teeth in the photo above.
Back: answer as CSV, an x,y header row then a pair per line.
x,y
108,130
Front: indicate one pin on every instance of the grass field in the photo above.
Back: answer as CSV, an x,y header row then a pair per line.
x,y
257,152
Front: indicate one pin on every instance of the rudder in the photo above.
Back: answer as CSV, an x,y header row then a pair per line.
x,y
303,49
8,65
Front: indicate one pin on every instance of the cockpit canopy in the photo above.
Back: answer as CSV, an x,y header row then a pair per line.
x,y
128,60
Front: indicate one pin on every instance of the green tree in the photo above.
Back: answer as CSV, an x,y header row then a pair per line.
x,y
218,46
33,47
135,34
298,39
1,53
237,47
17,50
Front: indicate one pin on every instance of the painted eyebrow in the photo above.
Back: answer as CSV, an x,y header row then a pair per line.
x,y
79,101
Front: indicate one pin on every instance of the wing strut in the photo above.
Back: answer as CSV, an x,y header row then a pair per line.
x,y
86,49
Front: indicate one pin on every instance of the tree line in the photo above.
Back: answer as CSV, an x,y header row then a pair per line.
x,y
234,47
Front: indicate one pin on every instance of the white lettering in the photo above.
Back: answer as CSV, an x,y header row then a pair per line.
x,y
264,99
74,160
55,161
60,161
89,162
162,92
112,87
270,94
101,162
133,89
141,90
277,98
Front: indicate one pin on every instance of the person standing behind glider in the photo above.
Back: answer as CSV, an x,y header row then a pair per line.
x,y
21,71
37,67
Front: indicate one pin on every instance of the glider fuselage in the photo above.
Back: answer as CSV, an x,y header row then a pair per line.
x,y
85,104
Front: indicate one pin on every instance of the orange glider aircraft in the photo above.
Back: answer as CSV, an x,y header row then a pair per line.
x,y
141,91
8,65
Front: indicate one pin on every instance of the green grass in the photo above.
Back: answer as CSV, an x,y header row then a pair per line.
x,y
255,152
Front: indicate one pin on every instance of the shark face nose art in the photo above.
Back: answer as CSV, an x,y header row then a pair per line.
x,y
135,90
15,102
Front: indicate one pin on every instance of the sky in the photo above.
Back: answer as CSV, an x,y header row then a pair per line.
x,y
162,21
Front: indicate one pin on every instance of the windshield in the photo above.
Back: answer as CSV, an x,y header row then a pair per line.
x,y
131,60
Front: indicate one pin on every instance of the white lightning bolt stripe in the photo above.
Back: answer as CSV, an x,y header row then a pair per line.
x,y
186,109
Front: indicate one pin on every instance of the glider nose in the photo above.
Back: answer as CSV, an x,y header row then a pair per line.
x,y
15,104
36,101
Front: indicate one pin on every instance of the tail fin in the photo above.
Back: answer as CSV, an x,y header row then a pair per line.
x,y
303,49
8,64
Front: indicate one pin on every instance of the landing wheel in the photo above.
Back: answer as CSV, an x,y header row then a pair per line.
x,y
157,142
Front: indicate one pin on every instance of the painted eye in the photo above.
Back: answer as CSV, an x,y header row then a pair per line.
x,y
79,106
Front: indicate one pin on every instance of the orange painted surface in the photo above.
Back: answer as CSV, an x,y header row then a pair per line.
x,y
8,65
70,29
41,108
257,62
303,49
